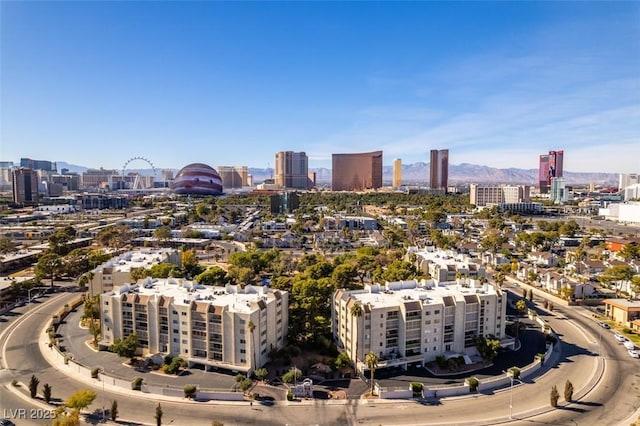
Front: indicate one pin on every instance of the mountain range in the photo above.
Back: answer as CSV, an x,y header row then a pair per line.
x,y
418,173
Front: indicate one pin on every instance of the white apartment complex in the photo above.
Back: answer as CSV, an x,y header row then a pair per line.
x,y
483,195
117,271
445,265
413,322
222,327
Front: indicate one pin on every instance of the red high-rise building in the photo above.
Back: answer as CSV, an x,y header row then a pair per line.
x,y
550,166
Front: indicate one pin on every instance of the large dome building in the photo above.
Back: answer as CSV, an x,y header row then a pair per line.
x,y
197,179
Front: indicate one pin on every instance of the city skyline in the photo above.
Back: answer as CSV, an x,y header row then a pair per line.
x,y
232,83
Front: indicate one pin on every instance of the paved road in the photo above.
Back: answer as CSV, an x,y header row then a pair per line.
x,y
608,404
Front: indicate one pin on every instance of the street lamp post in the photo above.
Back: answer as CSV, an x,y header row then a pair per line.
x,y
510,375
102,374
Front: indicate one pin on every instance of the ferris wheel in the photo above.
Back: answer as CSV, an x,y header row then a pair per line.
x,y
139,182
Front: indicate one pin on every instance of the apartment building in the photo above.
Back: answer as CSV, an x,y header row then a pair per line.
x,y
222,327
446,265
412,322
117,271
483,195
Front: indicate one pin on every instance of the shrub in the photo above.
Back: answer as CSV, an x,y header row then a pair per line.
x,y
441,361
94,373
473,384
136,384
550,338
416,387
46,392
540,358
568,391
514,372
14,383
190,391
554,396
245,385
33,386
289,396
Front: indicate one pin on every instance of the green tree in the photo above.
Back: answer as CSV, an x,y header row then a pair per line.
x,y
50,265
163,234
521,306
292,376
125,348
261,373
114,410
488,347
81,399
6,245
213,276
371,360
343,275
62,418
159,414
568,391
33,386
46,392
190,264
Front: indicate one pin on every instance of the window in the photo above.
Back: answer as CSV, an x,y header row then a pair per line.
x,y
184,342
243,351
242,341
184,314
106,302
436,312
184,333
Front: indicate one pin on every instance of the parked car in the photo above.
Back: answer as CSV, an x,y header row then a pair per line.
x,y
620,338
634,353
604,325
6,422
629,345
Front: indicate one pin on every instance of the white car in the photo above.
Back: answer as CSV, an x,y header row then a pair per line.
x,y
629,345
634,354
620,338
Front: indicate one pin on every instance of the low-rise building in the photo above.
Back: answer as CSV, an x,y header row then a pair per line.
x,y
222,327
622,311
413,322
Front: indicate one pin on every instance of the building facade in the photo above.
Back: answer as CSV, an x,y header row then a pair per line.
x,y
356,172
439,169
234,177
97,178
222,327
292,170
397,173
483,195
44,165
411,323
117,271
25,185
550,166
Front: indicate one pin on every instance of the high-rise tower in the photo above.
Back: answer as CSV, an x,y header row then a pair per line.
x,y
550,166
25,185
292,169
439,169
397,173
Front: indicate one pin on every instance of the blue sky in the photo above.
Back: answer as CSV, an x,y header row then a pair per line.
x,y
231,83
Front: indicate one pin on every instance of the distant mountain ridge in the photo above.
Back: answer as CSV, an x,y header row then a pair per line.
x,y
418,173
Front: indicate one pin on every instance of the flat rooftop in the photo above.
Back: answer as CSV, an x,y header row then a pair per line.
x,y
426,291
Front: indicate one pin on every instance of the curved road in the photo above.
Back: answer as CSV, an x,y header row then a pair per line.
x,y
612,401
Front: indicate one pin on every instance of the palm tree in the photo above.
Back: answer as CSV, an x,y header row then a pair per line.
x,y
372,363
356,312
251,326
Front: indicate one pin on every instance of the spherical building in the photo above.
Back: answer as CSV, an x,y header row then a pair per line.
x,y
197,179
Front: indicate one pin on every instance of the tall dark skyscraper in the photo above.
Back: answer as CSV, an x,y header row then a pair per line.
x,y
550,166
356,172
25,185
439,169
